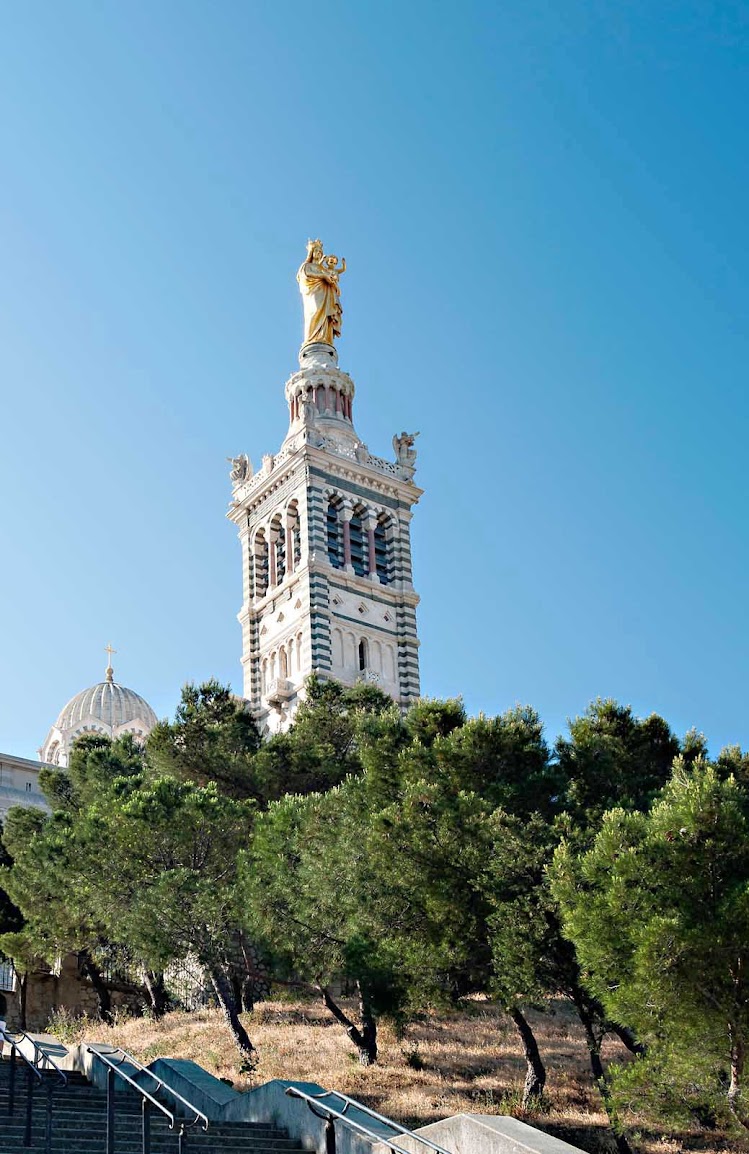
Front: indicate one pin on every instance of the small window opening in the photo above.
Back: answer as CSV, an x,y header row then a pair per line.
x,y
382,566
335,537
358,547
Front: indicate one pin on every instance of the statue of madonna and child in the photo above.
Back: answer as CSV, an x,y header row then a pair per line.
x,y
321,294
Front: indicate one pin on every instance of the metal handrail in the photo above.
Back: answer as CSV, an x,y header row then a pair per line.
x,y
160,1084
15,1049
114,1070
313,1100
115,1067
47,1059
381,1118
32,1069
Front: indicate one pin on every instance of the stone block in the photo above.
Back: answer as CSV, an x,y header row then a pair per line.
x,y
488,1134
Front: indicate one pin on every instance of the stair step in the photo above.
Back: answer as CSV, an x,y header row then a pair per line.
x,y
91,1145
79,1122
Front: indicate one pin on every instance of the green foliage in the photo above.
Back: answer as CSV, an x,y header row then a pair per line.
x,y
613,758
67,1027
213,738
11,918
658,910
416,857
307,885
129,860
530,958
55,860
381,879
322,747
176,846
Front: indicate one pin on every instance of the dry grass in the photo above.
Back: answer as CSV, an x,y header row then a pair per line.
x,y
445,1063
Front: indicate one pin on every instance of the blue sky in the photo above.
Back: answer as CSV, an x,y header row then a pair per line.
x,y
543,210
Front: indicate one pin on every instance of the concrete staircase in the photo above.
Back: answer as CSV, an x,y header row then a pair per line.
x,y
79,1123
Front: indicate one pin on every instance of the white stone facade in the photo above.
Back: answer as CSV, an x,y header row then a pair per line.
x,y
326,558
19,783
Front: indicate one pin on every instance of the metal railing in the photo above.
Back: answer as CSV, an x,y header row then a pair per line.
x,y
114,1070
43,1060
32,1073
330,1116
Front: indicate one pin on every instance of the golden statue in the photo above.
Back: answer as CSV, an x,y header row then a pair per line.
x,y
321,294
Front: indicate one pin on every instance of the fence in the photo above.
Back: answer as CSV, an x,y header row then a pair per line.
x,y
7,974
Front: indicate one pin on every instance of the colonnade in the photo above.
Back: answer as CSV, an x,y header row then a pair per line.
x,y
360,539
275,550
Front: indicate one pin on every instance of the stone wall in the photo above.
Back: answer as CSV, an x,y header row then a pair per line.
x,y
48,991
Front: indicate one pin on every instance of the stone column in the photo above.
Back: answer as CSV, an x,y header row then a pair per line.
x,y
272,538
248,568
346,515
370,522
290,548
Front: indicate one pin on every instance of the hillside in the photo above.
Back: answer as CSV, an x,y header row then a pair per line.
x,y
445,1063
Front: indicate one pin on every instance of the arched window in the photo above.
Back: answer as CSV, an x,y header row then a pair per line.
x,y
358,543
363,654
283,663
335,534
260,552
383,550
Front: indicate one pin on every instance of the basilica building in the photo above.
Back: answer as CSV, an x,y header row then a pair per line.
x,y
106,708
324,528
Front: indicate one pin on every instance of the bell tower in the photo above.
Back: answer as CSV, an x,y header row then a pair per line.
x,y
324,528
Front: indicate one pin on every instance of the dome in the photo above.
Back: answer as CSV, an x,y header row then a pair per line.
x,y
112,704
106,708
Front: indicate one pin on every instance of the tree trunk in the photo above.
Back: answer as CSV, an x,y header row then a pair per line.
x,y
248,995
535,1075
257,983
368,1052
94,975
594,1040
22,997
365,1040
625,1035
738,1059
157,995
227,1002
